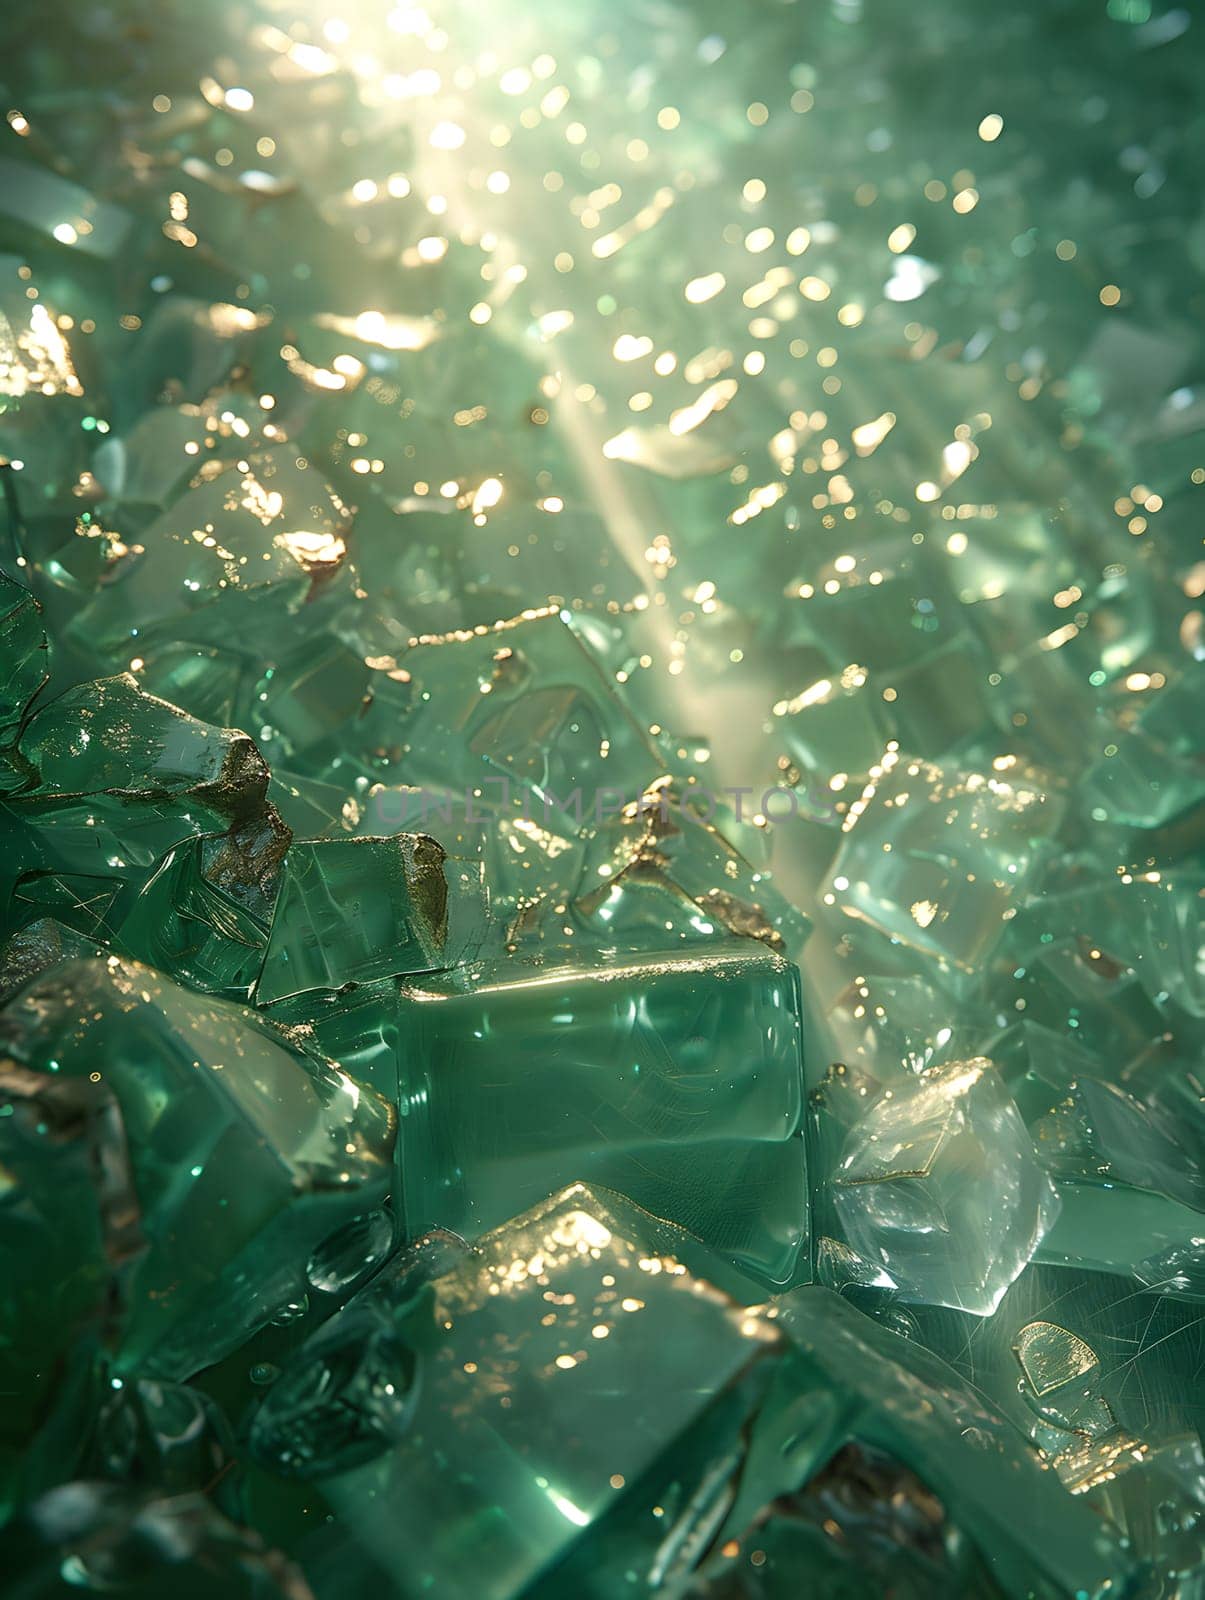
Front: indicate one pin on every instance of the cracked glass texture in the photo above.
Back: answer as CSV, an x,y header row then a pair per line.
x,y
730,478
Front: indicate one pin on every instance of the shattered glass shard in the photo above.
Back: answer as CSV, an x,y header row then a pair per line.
x,y
937,858
354,910
246,1147
24,657
455,1365
108,737
940,1186
265,522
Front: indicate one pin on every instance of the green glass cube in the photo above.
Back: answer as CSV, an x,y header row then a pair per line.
x,y
355,910
1131,1184
522,708
662,868
248,1149
676,1080
491,1388
835,724
1074,989
1038,1066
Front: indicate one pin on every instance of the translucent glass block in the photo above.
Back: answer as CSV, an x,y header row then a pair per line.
x,y
941,702
1075,990
1132,1187
940,1186
265,523
642,1076
885,1022
835,724
522,708
660,868
307,705
246,1149
1038,1065
939,858
354,910
479,1392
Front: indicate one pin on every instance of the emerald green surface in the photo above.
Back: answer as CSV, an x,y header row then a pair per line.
x,y
638,1076
352,910
550,1316
602,652
456,1352
940,857
65,1235
245,1150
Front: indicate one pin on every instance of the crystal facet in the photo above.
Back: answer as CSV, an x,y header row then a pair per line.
x,y
940,1186
604,602
636,1076
246,1148
447,1468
